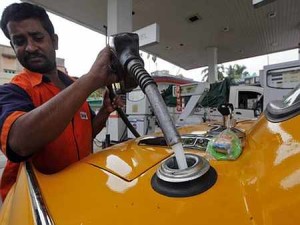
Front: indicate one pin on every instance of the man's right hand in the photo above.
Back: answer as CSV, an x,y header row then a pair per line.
x,y
100,70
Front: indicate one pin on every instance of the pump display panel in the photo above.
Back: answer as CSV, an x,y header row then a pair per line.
x,y
284,78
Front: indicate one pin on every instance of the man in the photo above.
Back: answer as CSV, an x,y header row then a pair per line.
x,y
44,116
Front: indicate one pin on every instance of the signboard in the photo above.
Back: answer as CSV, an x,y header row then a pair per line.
x,y
148,35
179,107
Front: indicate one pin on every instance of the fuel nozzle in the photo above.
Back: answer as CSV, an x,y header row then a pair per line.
x,y
126,50
226,110
125,47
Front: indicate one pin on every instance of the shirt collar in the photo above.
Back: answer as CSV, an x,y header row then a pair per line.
x,y
38,78
35,78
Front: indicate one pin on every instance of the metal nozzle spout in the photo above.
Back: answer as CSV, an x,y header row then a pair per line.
x,y
149,87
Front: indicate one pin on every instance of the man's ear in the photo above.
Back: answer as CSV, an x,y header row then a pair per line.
x,y
55,41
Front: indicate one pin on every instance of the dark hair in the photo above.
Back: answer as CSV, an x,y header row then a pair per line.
x,y
21,11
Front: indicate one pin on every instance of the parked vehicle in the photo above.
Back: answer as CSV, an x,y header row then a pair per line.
x,y
249,101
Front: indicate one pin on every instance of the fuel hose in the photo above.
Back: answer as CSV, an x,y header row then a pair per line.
x,y
121,113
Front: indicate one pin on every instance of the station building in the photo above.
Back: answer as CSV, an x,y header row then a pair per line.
x,y
9,64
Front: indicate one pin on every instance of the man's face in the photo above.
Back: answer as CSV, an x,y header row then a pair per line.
x,y
34,47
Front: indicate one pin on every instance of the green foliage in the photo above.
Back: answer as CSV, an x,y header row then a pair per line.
x,y
237,72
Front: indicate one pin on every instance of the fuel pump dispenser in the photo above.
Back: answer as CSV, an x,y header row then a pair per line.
x,y
139,113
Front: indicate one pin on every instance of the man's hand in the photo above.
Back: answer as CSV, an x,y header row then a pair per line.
x,y
100,71
110,106
107,108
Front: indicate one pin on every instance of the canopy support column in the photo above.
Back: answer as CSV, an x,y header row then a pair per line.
x,y
119,16
212,61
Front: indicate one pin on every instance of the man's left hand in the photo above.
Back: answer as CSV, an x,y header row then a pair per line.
x,y
110,106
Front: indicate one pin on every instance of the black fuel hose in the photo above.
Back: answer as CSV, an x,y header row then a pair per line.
x,y
123,116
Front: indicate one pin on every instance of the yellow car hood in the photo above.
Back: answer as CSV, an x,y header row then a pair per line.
x,y
113,187
128,160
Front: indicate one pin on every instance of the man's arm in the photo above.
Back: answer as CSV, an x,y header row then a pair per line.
x,y
38,127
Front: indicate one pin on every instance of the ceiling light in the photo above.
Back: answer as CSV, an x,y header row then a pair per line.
x,y
272,15
226,29
193,18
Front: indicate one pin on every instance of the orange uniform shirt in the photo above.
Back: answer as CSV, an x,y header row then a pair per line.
x,y
27,91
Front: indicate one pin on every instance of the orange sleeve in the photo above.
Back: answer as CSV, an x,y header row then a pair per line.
x,y
6,128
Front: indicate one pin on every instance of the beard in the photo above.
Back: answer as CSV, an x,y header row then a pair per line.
x,y
37,62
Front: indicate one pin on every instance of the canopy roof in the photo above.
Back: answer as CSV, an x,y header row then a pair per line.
x,y
235,27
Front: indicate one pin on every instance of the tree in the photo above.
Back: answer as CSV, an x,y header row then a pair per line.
x,y
237,72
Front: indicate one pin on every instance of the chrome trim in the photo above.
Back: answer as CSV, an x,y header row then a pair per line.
x,y
41,215
169,172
